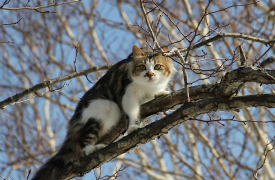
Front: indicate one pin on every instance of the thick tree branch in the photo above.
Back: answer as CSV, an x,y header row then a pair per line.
x,y
160,127
267,62
232,81
212,101
229,85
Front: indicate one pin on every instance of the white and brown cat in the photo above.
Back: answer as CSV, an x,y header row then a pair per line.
x,y
128,84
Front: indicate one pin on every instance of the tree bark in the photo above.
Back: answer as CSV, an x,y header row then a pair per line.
x,y
156,129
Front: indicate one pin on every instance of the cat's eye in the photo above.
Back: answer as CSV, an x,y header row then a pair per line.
x,y
142,67
157,67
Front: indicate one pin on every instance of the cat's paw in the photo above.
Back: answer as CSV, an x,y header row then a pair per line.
x,y
132,128
162,93
92,148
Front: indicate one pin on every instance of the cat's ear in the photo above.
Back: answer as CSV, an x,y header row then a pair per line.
x,y
165,49
137,51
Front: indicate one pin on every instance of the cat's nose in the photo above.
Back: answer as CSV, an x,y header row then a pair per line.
x,y
149,74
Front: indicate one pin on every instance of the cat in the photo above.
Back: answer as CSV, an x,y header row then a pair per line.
x,y
126,85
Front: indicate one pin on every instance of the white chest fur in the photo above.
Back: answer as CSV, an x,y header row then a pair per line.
x,y
137,93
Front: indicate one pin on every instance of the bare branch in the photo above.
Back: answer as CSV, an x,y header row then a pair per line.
x,y
5,3
36,8
11,23
236,5
242,56
265,156
48,83
223,35
76,52
160,127
271,46
185,76
142,4
267,62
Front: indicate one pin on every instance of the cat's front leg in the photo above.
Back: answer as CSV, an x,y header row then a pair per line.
x,y
133,127
134,121
162,93
131,107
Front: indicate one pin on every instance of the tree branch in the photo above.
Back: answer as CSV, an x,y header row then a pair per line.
x,y
160,127
229,84
50,82
155,41
267,62
223,35
38,7
212,100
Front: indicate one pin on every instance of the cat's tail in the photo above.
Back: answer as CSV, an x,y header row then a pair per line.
x,y
53,168
78,136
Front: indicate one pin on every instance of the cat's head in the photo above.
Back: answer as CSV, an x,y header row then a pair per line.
x,y
149,67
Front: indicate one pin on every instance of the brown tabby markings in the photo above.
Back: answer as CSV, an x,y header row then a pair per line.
x,y
86,129
157,59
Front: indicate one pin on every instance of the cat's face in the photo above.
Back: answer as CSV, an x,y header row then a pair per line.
x,y
149,68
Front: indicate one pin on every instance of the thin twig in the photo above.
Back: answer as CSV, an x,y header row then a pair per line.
x,y
155,42
5,3
242,56
184,60
11,23
185,76
29,172
236,5
176,25
223,35
38,7
265,156
271,45
196,32
27,3
76,52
